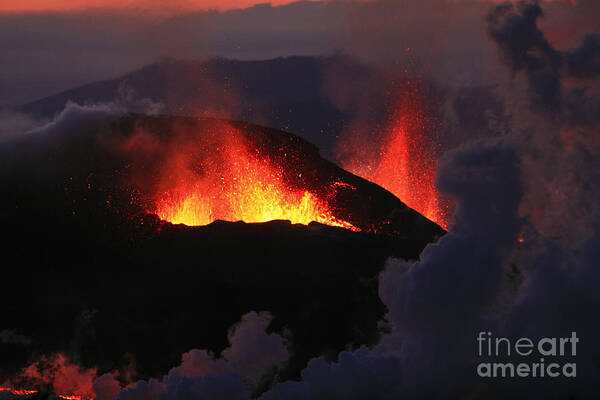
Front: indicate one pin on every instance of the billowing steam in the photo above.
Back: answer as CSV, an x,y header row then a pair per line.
x,y
252,355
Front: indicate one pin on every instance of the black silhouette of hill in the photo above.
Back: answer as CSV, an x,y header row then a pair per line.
x,y
89,272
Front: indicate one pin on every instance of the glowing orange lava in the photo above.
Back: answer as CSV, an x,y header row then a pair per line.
x,y
235,184
18,392
406,162
408,171
25,392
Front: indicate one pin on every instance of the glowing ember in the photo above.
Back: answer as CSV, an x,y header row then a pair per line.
x,y
18,392
407,160
408,171
24,392
234,184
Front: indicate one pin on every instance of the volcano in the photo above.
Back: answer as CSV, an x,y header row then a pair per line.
x,y
134,237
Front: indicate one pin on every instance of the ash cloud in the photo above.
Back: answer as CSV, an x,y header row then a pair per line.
x,y
556,127
437,304
525,48
465,284
584,61
356,375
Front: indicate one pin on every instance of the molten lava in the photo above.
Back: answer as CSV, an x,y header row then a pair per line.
x,y
232,182
56,372
25,392
406,161
18,392
408,170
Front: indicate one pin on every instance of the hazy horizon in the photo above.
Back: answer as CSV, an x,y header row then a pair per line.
x,y
49,52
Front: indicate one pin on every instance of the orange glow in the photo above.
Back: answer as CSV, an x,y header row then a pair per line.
x,y
406,162
56,372
18,392
171,6
25,392
233,183
408,170
168,7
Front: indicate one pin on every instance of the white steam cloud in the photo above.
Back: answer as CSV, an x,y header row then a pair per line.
x,y
252,354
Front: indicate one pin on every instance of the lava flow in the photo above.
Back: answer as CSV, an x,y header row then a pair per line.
x,y
234,183
17,392
25,392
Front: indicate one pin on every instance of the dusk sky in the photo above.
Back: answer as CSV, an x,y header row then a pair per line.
x,y
51,45
152,5
149,5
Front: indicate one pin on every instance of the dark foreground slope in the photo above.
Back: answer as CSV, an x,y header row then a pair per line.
x,y
89,272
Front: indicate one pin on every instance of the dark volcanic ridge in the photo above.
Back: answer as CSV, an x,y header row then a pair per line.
x,y
93,274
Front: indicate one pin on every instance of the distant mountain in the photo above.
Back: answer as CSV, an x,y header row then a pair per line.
x,y
290,93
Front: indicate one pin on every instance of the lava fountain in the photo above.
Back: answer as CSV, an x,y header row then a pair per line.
x,y
227,179
405,162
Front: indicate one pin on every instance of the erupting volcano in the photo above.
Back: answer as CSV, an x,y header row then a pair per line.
x,y
196,171
131,196
294,199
